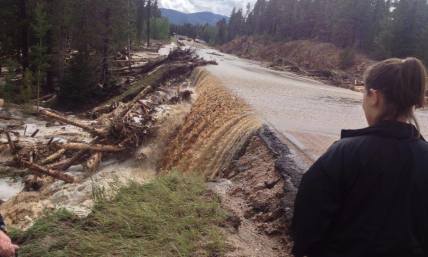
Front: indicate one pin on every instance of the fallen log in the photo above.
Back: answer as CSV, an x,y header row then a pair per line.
x,y
152,79
98,111
160,70
131,104
90,129
94,147
40,170
65,164
53,157
127,68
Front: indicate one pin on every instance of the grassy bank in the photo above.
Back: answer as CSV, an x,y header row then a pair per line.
x,y
171,216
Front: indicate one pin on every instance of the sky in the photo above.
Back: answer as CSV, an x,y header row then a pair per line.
x,y
223,7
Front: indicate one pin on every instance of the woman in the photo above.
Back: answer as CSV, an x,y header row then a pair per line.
x,y
368,195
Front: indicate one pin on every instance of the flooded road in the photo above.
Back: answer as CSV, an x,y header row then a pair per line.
x,y
305,112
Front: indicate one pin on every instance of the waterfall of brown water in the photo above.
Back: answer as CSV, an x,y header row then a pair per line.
x,y
216,129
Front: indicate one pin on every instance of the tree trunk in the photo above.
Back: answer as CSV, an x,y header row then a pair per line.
x,y
88,128
149,14
53,157
65,164
24,34
40,170
129,37
94,147
106,46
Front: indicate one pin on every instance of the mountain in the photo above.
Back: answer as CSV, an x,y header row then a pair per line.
x,y
180,18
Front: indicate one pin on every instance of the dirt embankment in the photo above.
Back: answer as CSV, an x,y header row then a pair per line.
x,y
325,61
255,193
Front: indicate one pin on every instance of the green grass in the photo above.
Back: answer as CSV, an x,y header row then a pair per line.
x,y
171,216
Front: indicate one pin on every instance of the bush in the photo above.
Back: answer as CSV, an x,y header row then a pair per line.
x,y
347,58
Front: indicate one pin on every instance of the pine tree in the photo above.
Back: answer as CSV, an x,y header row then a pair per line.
x,y
222,32
149,17
383,28
236,24
140,18
40,27
24,27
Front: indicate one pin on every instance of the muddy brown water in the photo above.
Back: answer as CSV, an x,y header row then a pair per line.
x,y
214,131
305,112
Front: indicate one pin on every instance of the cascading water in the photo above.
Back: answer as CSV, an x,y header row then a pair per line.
x,y
216,129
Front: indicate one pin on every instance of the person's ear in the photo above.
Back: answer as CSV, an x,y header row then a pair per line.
x,y
374,97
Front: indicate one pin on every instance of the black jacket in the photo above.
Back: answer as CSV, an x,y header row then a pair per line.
x,y
366,197
2,225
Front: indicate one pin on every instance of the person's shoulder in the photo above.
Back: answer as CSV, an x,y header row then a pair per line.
x,y
342,147
421,145
347,143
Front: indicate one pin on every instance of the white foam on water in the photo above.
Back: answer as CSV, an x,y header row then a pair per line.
x,y
9,188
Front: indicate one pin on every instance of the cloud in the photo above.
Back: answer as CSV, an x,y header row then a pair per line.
x,y
216,6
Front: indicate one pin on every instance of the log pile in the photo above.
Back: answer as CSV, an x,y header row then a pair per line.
x,y
116,128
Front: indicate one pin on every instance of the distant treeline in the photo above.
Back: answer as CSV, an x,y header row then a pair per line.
x,y
381,28
70,44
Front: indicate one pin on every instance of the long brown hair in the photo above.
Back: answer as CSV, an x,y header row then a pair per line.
x,y
403,84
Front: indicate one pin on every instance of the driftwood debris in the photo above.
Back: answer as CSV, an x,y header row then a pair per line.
x,y
65,164
40,170
94,147
116,128
70,121
53,157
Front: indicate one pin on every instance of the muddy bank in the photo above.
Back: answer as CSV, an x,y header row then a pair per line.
x,y
323,61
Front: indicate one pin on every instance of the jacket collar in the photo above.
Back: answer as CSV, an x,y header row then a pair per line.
x,y
392,129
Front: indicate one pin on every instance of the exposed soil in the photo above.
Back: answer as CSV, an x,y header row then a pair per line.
x,y
255,192
311,58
